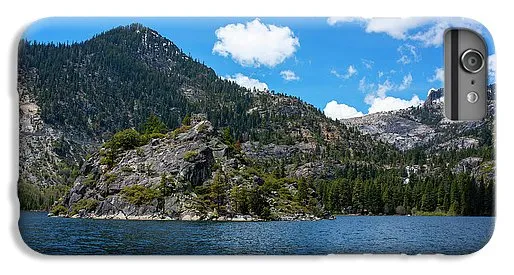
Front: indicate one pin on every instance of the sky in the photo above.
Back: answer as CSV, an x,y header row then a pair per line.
x,y
347,67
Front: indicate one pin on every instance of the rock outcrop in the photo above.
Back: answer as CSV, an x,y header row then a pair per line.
x,y
168,178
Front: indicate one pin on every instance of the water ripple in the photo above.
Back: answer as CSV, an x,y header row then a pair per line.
x,y
411,235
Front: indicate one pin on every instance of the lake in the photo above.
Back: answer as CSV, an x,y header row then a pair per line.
x,y
345,234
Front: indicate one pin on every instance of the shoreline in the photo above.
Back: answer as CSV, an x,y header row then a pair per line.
x,y
236,218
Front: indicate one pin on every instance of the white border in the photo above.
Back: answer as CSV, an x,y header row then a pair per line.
x,y
16,257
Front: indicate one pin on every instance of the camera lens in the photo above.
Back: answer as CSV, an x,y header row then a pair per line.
x,y
472,61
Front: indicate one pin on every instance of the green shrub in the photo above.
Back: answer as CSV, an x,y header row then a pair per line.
x,y
59,209
124,140
106,161
90,180
202,127
250,171
139,195
166,186
86,204
110,178
154,125
127,169
190,155
146,138
187,120
180,130
155,135
108,156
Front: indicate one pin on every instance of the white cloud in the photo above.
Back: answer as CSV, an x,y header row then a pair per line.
x,y
395,27
334,20
438,75
376,98
380,102
408,54
364,86
336,110
384,88
406,82
351,71
392,103
289,75
491,66
380,74
368,64
434,35
245,81
255,44
428,31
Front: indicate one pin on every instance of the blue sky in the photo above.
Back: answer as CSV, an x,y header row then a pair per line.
x,y
344,66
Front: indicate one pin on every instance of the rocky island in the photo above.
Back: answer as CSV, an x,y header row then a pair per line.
x,y
191,173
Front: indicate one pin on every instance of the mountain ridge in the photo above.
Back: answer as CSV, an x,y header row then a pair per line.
x,y
90,113
426,125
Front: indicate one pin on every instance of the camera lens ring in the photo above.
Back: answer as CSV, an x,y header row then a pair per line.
x,y
463,61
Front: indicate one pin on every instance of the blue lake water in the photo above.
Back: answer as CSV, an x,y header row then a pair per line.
x,y
346,234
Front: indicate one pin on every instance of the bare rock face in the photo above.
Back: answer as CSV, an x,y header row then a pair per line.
x,y
424,126
45,150
187,160
392,128
468,165
257,150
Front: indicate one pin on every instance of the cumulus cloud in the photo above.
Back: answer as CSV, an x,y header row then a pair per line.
x,y
377,98
379,101
438,75
406,82
408,54
289,75
245,81
385,104
351,71
336,110
491,66
255,43
380,74
428,31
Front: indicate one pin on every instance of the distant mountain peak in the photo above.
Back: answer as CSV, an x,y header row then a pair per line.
x,y
434,96
134,27
133,32
431,90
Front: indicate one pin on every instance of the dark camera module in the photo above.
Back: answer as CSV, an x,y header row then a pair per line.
x,y
472,61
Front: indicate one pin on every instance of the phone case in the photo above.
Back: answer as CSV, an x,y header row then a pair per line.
x,y
297,136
